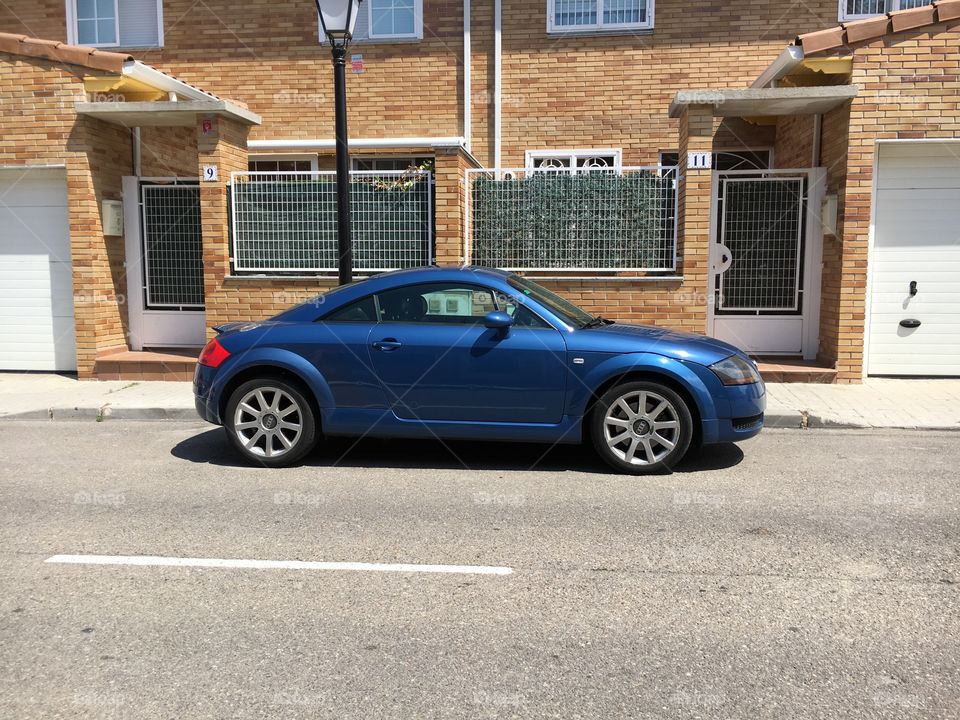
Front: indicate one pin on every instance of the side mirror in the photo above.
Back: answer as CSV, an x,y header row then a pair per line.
x,y
497,320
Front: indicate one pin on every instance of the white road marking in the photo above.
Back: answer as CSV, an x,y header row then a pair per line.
x,y
148,560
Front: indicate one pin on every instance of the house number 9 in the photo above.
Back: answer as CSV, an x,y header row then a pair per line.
x,y
210,173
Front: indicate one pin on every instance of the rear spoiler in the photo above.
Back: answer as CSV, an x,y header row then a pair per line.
x,y
221,329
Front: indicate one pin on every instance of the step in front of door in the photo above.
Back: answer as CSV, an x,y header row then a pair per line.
x,y
168,364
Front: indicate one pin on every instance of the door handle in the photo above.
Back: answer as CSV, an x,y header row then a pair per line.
x,y
913,288
910,323
388,344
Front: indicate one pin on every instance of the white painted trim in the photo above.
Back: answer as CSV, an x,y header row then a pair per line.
x,y
497,83
417,24
599,27
813,263
467,78
167,83
783,65
132,260
157,561
371,143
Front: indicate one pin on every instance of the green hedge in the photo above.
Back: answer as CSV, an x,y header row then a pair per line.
x,y
556,220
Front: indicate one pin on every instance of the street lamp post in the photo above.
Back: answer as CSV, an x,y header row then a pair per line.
x,y
339,17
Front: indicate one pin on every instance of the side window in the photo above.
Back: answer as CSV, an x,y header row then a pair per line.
x,y
360,311
522,316
436,303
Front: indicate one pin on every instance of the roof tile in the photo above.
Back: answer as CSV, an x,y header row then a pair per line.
x,y
61,52
822,40
913,18
868,29
948,10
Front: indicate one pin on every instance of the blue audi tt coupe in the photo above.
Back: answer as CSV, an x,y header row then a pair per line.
x,y
475,354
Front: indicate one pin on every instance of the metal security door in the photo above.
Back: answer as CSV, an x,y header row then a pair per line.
x,y
172,247
761,234
171,251
760,260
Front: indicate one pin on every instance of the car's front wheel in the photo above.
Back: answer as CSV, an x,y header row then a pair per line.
x,y
270,422
641,427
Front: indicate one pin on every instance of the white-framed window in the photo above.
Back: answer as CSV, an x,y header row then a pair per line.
x,y
857,9
281,163
386,21
395,19
115,23
598,15
390,163
574,161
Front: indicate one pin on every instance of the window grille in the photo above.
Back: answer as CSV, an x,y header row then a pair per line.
x,y
286,222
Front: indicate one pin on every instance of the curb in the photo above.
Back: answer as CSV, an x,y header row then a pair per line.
x,y
790,419
105,413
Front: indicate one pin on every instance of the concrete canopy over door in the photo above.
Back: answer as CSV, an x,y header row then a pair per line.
x,y
916,240
36,284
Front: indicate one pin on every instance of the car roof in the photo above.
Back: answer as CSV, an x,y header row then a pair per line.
x,y
396,278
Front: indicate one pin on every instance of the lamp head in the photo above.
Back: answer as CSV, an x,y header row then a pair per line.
x,y
338,18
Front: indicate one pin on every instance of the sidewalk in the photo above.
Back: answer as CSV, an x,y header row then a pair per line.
x,y
877,403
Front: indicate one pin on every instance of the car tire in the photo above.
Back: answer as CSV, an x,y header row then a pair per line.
x,y
270,422
641,427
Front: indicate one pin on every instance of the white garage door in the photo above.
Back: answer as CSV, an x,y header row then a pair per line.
x,y
36,287
916,240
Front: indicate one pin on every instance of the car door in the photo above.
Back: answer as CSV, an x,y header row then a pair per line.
x,y
339,347
437,361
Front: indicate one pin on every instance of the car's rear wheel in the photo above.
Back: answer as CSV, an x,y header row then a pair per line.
x,y
641,427
270,422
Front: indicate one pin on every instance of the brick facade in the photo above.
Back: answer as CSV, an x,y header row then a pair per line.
x,y
559,92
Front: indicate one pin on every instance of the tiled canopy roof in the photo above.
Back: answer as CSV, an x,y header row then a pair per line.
x,y
61,52
862,30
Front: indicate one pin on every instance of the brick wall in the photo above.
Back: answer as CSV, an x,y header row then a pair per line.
x,y
559,92
168,152
38,125
909,89
793,147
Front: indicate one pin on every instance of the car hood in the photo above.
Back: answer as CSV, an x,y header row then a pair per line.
x,y
623,338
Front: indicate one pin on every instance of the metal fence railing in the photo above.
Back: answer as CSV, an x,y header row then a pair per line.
x,y
287,221
172,245
554,220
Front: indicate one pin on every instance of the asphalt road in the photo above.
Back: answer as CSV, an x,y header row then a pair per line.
x,y
811,575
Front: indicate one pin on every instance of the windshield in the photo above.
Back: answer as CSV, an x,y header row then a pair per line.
x,y
564,309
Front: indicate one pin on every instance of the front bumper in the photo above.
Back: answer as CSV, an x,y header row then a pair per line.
x,y
740,410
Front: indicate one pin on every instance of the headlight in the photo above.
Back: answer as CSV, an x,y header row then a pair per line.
x,y
736,371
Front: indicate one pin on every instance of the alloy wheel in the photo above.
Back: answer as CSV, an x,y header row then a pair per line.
x,y
641,427
268,422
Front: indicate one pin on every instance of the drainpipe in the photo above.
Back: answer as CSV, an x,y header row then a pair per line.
x,y
497,82
135,147
467,82
817,139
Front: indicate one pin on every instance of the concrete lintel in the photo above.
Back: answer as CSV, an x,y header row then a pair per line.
x,y
164,113
760,102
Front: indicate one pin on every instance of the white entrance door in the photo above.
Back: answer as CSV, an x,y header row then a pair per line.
x,y
36,284
915,261
164,250
765,261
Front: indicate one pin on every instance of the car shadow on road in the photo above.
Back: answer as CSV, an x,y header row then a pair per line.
x,y
211,447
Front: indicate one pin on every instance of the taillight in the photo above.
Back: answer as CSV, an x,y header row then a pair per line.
x,y
213,354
